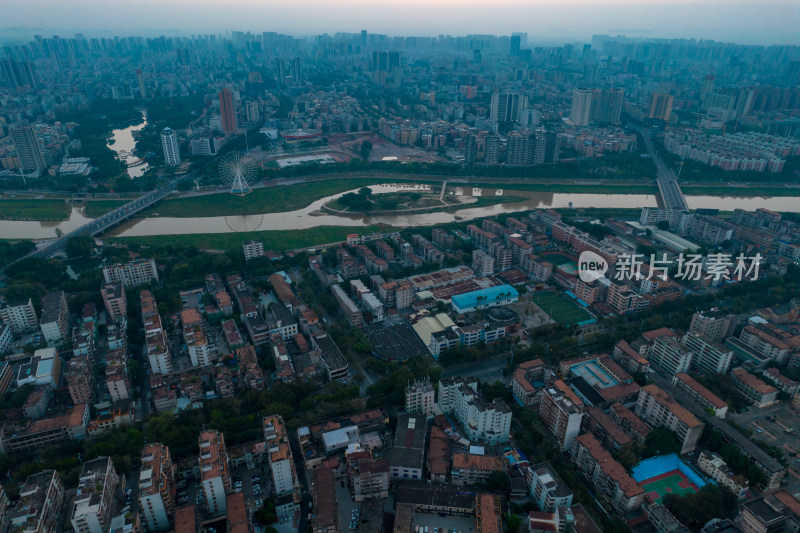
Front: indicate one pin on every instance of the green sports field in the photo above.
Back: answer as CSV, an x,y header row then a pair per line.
x,y
560,307
674,484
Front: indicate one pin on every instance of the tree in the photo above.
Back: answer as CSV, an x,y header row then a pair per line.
x,y
80,246
366,149
498,482
661,441
514,523
694,510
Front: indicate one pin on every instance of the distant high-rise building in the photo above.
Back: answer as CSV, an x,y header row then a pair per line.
x,y
606,105
470,149
506,107
140,82
31,154
492,148
297,73
15,74
708,87
252,112
280,72
546,148
227,111
515,44
660,106
169,142
581,107
520,150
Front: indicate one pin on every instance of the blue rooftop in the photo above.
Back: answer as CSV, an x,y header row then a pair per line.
x,y
487,296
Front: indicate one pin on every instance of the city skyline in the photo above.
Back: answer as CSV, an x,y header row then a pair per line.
x,y
745,21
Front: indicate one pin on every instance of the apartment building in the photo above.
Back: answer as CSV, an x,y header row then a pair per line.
x,y
658,409
368,478
480,419
136,272
713,324
528,382
420,397
158,353
45,432
55,317
754,390
707,355
351,311
547,489
95,502
79,377
279,454
38,510
253,249
718,470
561,416
694,390
472,469
214,470
156,487
115,300
629,358
669,357
21,318
605,475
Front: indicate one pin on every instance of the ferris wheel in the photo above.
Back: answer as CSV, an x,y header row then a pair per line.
x,y
242,223
238,170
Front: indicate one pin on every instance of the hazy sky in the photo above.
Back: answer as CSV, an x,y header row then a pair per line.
x,y
745,21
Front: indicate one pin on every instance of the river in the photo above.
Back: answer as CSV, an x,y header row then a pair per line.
x,y
311,216
124,142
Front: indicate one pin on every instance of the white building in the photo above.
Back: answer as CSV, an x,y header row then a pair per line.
x,y
172,152
713,465
6,337
39,506
581,107
707,355
561,415
156,487
670,357
94,503
547,489
136,272
55,317
214,471
20,318
656,408
420,397
284,476
253,249
480,420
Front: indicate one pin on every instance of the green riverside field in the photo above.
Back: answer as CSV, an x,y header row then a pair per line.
x,y
273,240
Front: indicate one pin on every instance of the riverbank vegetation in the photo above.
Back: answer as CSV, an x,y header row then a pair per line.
x,y
26,209
273,240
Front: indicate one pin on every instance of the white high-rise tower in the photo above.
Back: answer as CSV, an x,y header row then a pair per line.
x,y
169,141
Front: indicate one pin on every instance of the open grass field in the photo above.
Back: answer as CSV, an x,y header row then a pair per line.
x,y
263,200
560,308
24,209
97,208
273,240
674,482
